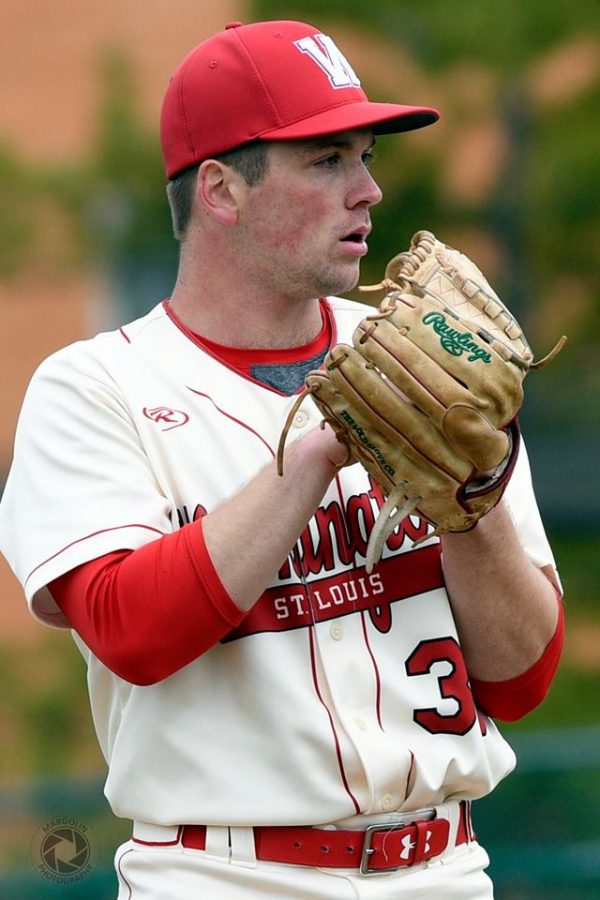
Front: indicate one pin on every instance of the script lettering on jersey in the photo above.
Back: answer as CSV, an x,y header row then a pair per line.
x,y
456,342
324,52
287,607
321,580
336,535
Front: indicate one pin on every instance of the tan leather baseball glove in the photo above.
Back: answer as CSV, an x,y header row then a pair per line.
x,y
427,397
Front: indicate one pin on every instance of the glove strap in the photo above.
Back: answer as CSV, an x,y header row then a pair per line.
x,y
501,476
287,425
390,515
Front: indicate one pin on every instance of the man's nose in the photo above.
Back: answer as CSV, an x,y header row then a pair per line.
x,y
364,190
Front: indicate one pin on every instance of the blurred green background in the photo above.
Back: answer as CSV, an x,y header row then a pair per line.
x,y
511,175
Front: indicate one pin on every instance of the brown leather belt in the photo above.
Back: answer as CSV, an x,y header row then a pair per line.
x,y
376,849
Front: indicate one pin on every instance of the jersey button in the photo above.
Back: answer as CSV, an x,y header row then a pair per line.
x,y
360,724
300,419
337,632
386,801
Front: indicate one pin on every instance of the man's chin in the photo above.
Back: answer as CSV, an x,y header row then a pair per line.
x,y
342,282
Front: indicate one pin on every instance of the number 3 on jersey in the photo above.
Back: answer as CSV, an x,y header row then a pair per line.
x,y
454,685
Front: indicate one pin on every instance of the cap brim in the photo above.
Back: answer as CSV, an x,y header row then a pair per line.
x,y
383,118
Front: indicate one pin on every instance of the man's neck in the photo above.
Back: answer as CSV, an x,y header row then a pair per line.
x,y
232,312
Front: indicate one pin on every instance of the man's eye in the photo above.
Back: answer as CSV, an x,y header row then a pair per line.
x,y
329,162
368,157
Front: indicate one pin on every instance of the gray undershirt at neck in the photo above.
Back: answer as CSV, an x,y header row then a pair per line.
x,y
287,377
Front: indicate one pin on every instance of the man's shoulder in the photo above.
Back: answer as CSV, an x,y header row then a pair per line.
x,y
106,346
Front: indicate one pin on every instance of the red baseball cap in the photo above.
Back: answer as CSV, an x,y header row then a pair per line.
x,y
269,80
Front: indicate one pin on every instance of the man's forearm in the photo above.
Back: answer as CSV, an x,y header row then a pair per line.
x,y
250,536
504,606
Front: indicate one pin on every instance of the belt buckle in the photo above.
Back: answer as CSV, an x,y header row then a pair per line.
x,y
370,830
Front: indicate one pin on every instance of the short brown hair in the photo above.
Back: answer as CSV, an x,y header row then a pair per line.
x,y
250,160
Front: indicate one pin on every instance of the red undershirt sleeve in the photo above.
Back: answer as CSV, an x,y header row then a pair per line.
x,y
512,699
148,612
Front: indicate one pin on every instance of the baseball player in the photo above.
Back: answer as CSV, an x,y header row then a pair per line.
x,y
277,720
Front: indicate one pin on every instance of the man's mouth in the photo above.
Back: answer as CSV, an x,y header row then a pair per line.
x,y
356,240
358,236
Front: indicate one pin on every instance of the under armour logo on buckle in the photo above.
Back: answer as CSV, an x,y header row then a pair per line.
x,y
330,59
408,845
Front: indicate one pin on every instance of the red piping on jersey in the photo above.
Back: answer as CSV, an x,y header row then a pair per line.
x,y
86,537
340,492
121,858
409,776
338,749
375,669
233,418
124,334
469,822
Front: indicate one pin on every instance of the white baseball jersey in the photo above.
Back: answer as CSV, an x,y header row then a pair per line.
x,y
340,691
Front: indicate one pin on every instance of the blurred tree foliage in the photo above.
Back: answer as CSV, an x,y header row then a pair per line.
x,y
17,212
503,33
511,174
127,210
109,207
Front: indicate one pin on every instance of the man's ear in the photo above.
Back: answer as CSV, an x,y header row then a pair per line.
x,y
219,189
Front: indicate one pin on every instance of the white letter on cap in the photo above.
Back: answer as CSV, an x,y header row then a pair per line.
x,y
330,59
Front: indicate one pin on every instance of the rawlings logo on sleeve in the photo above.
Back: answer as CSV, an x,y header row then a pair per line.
x,y
369,445
454,341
